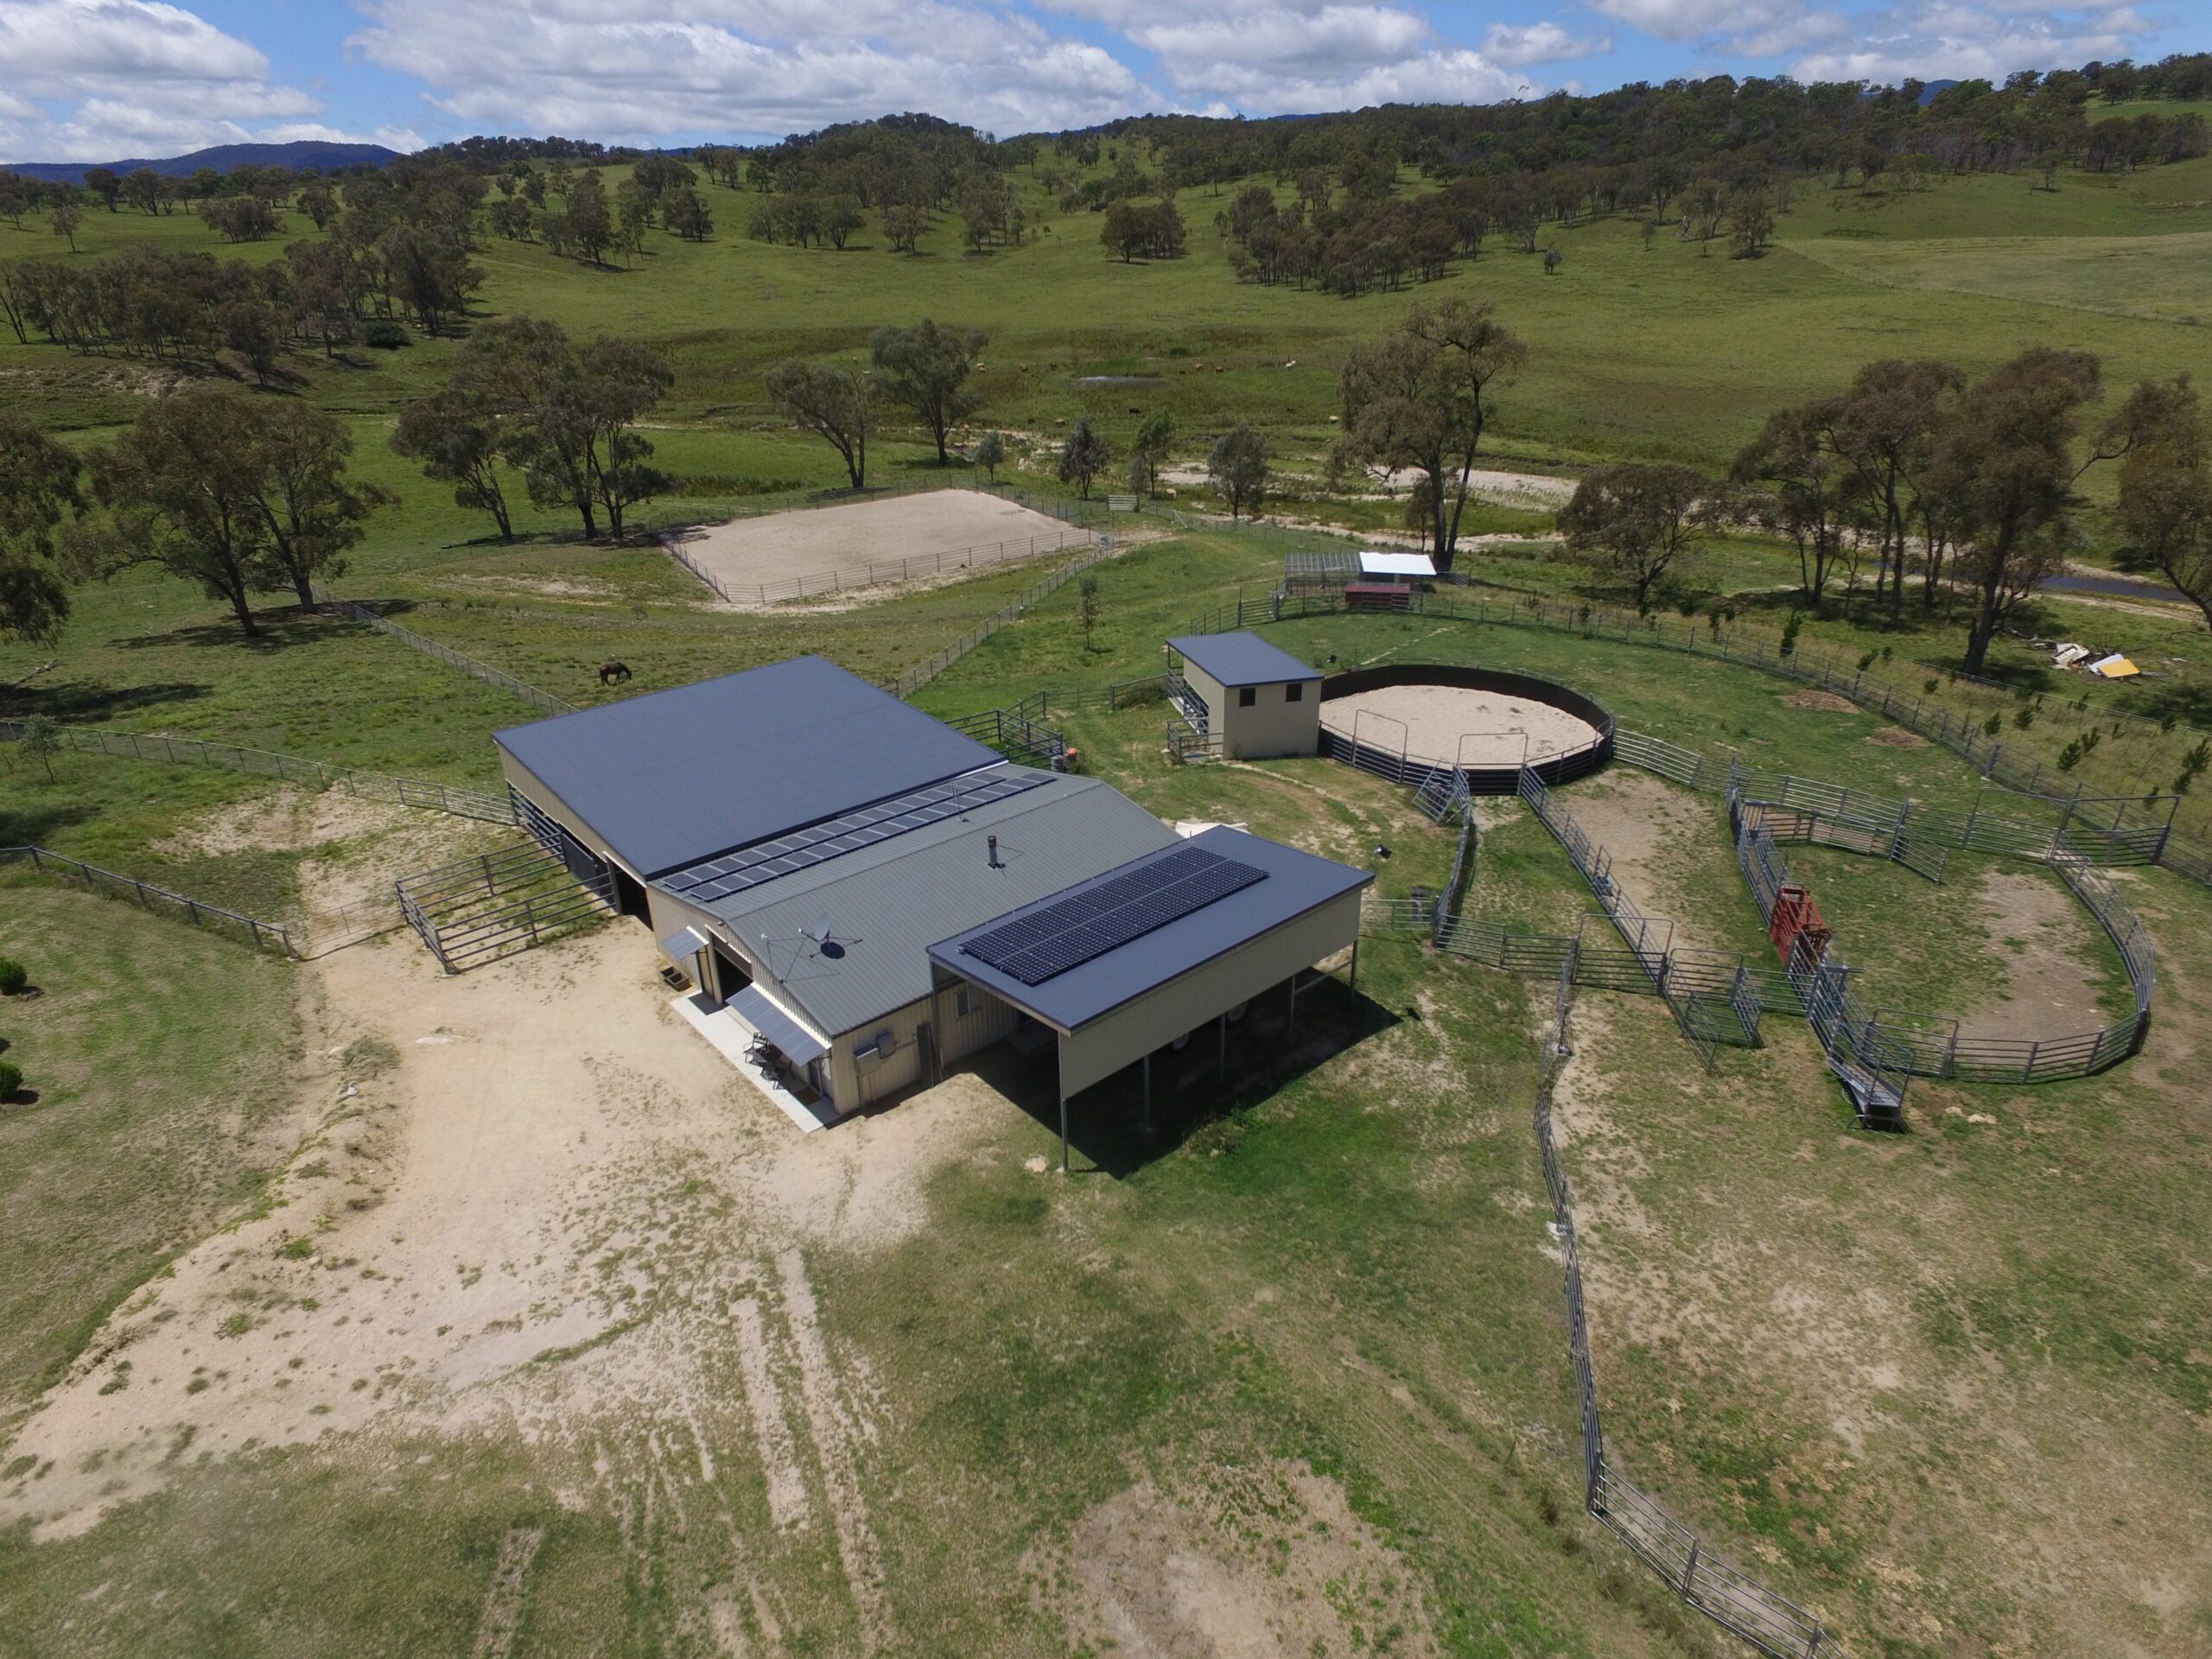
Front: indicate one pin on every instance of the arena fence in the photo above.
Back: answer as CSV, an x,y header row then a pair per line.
x,y
1704,1580
292,768
160,900
983,555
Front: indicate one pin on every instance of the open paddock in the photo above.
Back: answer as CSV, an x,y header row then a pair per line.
x,y
902,540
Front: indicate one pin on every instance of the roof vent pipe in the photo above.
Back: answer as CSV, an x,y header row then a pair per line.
x,y
993,843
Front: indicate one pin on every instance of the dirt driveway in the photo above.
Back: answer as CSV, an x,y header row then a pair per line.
x,y
483,1205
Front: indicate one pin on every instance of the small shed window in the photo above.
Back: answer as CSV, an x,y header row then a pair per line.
x,y
967,1002
1294,692
1247,695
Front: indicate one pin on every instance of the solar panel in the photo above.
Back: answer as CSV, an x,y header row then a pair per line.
x,y
1049,941
734,872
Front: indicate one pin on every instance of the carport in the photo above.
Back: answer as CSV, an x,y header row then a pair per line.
x,y
1122,965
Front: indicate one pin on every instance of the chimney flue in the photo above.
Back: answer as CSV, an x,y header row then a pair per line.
x,y
993,843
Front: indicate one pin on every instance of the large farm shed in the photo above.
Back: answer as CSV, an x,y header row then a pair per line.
x,y
874,896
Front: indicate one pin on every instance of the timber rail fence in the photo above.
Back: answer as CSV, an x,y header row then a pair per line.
x,y
451,798
1731,1598
263,934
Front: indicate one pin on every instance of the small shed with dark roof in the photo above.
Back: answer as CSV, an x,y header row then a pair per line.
x,y
1252,698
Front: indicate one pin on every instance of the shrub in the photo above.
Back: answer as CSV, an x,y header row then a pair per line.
x,y
385,335
1993,725
1867,662
13,977
1789,632
11,1079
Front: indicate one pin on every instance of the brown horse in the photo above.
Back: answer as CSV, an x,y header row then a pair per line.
x,y
613,673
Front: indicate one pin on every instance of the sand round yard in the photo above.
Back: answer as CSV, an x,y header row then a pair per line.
x,y
1451,724
898,540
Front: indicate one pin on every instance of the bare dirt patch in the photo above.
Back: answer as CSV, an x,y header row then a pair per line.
x,y
1448,723
905,540
524,1196
1265,1562
358,848
2044,934
1653,831
1896,737
1825,702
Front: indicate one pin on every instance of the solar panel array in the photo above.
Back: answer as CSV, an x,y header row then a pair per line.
x,y
752,866
1047,942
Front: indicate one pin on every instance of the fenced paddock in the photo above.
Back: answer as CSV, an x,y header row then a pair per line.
x,y
161,901
1719,999
1729,1597
808,553
477,910
291,768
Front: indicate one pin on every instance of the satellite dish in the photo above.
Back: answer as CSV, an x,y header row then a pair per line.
x,y
820,929
885,1043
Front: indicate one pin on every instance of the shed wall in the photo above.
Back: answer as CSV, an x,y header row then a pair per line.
x,y
1273,725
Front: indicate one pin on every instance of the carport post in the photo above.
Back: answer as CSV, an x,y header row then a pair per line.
x,y
1063,1134
1144,1117
1292,1029
1224,1067
1354,963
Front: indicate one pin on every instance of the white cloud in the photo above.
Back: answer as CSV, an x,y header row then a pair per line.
x,y
1545,42
103,79
622,69
1963,41
1690,20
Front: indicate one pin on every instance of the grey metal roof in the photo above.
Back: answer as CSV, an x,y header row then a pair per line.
x,y
1243,660
798,1045
1297,882
887,904
674,777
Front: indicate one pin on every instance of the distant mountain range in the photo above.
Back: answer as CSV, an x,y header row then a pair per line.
x,y
299,157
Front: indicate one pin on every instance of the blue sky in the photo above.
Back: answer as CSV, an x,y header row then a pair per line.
x,y
93,80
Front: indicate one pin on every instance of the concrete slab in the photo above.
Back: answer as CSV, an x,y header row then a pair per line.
x,y
731,1037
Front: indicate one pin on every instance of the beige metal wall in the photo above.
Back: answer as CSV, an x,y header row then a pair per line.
x,y
1210,692
1159,1016
1273,725
856,1083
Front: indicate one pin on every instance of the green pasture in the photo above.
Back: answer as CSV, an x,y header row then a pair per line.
x,y
1655,351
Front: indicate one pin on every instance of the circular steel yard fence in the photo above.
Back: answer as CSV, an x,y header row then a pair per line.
x,y
1426,772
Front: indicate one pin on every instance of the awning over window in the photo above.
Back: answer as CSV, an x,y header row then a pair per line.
x,y
683,945
799,1044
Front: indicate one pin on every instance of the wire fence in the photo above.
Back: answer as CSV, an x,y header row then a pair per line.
x,y
161,901
1704,1580
544,701
922,673
292,768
